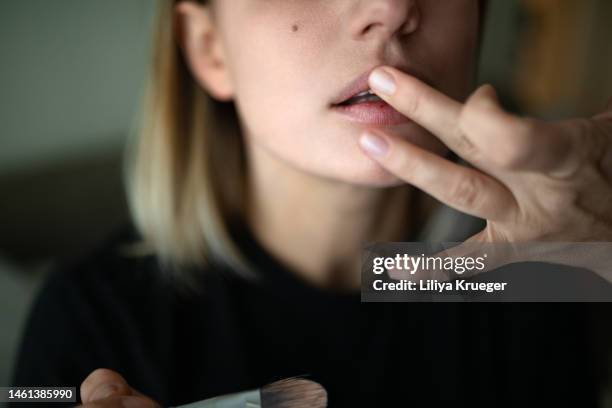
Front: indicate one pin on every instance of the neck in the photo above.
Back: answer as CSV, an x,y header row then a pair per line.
x,y
317,226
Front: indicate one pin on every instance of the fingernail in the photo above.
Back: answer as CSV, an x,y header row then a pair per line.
x,y
382,81
104,391
374,144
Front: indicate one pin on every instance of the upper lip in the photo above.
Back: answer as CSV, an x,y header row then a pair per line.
x,y
360,84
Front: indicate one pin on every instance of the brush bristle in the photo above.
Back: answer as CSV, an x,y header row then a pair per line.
x,y
293,393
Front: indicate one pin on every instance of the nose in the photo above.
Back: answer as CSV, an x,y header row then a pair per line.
x,y
383,19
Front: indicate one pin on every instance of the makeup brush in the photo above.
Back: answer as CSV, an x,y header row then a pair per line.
x,y
287,393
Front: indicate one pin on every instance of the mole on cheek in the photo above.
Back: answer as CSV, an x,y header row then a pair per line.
x,y
294,28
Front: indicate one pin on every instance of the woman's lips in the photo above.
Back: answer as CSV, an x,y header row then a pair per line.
x,y
371,113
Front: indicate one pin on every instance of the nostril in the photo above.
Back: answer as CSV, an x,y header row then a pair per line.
x,y
413,21
370,27
367,29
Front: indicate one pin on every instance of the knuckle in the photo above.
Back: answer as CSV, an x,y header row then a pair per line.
x,y
516,150
463,121
514,137
466,192
463,144
101,378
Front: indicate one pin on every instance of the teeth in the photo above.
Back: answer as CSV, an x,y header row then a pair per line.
x,y
363,97
366,96
368,92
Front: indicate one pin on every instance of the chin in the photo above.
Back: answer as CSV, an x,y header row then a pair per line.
x,y
355,167
367,173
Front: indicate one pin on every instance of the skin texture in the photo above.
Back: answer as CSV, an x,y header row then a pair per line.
x,y
283,89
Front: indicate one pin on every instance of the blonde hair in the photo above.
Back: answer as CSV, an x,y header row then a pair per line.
x,y
185,171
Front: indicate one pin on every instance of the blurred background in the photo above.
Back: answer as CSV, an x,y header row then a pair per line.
x,y
71,78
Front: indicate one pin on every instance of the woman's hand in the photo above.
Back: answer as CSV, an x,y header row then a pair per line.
x,y
531,180
107,389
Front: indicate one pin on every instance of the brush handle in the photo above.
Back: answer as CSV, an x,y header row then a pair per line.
x,y
246,399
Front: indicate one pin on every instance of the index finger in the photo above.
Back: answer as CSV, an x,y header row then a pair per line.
x,y
420,102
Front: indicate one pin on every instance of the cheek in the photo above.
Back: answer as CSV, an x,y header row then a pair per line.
x,y
270,94
275,65
277,45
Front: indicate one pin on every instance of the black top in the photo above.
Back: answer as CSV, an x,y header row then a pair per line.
x,y
109,310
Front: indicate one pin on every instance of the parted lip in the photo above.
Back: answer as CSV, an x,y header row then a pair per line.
x,y
360,84
357,86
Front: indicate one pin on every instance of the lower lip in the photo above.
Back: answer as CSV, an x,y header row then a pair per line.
x,y
372,113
